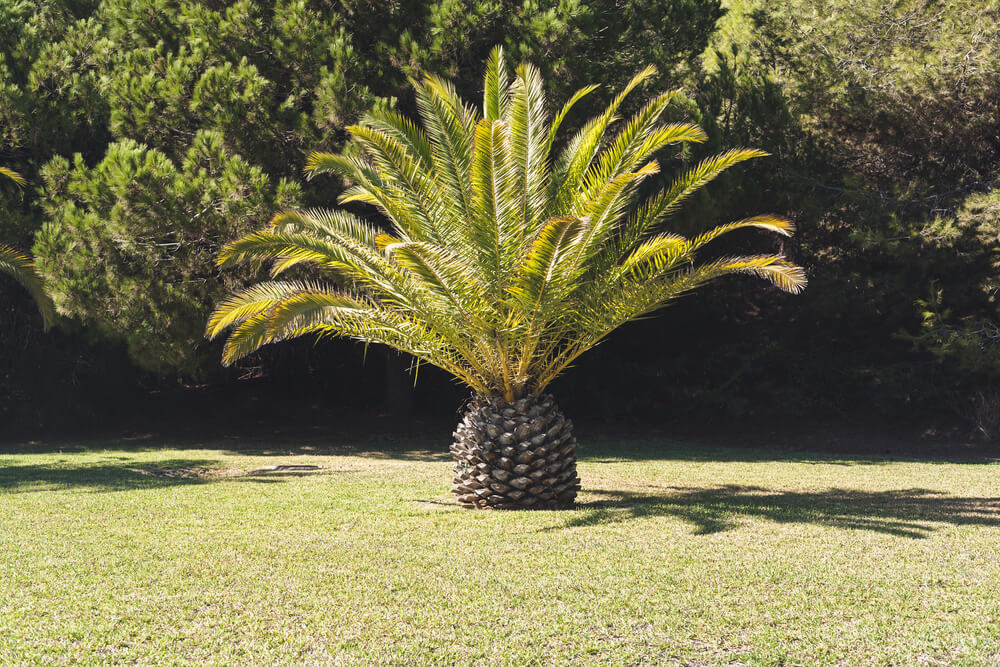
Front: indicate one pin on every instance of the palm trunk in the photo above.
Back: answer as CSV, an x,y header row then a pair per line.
x,y
515,455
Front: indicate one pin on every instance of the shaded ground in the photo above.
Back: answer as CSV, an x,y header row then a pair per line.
x,y
318,432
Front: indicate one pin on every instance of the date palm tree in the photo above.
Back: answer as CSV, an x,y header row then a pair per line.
x,y
508,255
22,268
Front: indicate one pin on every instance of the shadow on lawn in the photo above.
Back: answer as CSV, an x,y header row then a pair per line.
x,y
904,512
378,445
426,444
609,450
124,474
120,475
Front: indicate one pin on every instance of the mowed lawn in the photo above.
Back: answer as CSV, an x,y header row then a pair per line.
x,y
195,553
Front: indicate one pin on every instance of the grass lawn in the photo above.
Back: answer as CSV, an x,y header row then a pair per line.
x,y
179,552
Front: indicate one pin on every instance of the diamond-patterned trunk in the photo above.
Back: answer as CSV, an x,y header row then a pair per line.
x,y
515,455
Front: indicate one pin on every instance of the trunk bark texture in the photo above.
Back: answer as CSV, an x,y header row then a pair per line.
x,y
515,455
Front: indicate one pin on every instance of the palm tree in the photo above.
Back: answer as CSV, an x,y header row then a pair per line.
x,y
22,268
506,259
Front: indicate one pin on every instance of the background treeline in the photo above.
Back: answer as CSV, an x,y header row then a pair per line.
x,y
152,131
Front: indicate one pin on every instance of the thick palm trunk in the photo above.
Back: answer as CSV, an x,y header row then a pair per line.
x,y
515,455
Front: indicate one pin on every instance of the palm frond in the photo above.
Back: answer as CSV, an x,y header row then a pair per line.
x,y
656,255
270,245
575,160
319,162
403,130
670,199
500,264
324,223
494,229
563,112
414,194
446,123
443,274
624,153
529,123
254,300
496,96
22,268
771,223
14,176
540,266
775,268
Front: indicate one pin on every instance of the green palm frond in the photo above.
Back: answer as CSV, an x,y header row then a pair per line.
x,y
502,259
21,268
771,223
629,148
494,229
496,87
529,126
655,256
445,275
403,130
448,127
571,167
669,200
255,300
14,176
561,116
406,184
539,274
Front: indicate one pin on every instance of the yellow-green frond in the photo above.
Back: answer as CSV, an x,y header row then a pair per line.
x,y
528,120
673,133
655,256
383,241
495,259
269,245
22,268
13,175
495,86
403,130
319,162
576,158
254,300
563,112
774,268
451,143
540,267
771,223
443,274
669,200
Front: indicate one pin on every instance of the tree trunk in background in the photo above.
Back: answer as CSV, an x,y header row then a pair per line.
x,y
517,455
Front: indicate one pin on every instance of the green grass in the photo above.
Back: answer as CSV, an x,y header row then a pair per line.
x,y
129,552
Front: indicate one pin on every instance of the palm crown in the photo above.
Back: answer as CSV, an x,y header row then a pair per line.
x,y
508,253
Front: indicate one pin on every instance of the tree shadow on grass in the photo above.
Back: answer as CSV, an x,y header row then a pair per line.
x,y
904,512
124,474
607,450
377,445
420,445
427,440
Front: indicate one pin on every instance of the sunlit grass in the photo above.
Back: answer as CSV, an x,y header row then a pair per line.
x,y
676,555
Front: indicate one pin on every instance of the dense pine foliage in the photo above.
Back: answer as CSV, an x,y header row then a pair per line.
x,y
151,133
